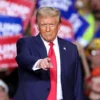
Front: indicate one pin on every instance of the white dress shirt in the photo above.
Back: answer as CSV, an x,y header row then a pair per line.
x,y
56,49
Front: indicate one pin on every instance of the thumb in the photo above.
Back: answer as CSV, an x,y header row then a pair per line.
x,y
50,63
48,59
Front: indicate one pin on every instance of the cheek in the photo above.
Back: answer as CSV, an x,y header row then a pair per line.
x,y
94,4
2,94
41,29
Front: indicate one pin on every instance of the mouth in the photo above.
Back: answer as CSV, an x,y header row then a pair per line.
x,y
96,14
48,34
96,11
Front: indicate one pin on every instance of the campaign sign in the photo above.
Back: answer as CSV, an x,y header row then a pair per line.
x,y
73,2
33,27
19,8
68,12
60,4
10,26
78,22
65,31
8,51
97,34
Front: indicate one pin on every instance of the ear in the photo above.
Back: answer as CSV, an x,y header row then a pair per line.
x,y
37,26
59,26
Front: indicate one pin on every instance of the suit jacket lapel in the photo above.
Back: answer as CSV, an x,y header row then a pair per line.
x,y
63,51
43,53
41,47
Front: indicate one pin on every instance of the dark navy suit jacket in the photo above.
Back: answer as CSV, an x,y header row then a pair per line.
x,y
35,85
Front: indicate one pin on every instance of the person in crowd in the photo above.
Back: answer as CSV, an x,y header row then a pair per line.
x,y
93,53
93,82
83,7
49,67
95,8
3,91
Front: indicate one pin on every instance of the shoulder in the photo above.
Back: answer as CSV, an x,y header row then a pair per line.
x,y
26,39
70,47
66,43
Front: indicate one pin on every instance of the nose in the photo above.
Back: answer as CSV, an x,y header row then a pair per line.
x,y
47,28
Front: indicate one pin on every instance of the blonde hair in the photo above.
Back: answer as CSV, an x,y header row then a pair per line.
x,y
48,11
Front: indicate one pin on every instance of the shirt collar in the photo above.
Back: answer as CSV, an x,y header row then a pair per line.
x,y
46,43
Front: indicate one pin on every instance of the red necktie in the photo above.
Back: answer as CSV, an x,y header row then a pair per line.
x,y
53,74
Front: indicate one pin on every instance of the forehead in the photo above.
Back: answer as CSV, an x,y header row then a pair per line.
x,y
83,0
47,19
95,1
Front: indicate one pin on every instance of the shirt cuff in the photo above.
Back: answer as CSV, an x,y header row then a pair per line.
x,y
36,65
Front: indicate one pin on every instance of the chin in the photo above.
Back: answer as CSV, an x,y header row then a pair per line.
x,y
49,40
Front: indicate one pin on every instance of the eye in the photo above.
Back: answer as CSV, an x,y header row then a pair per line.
x,y
43,25
51,25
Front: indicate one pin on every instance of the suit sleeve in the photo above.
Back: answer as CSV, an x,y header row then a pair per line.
x,y
78,89
24,57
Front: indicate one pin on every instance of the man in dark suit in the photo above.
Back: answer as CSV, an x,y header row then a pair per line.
x,y
35,65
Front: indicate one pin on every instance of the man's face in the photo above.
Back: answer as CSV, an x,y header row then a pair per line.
x,y
48,27
95,7
3,94
95,58
81,3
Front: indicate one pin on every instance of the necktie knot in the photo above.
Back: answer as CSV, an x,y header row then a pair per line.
x,y
51,44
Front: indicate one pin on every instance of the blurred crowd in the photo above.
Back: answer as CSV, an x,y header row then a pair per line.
x,y
89,50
